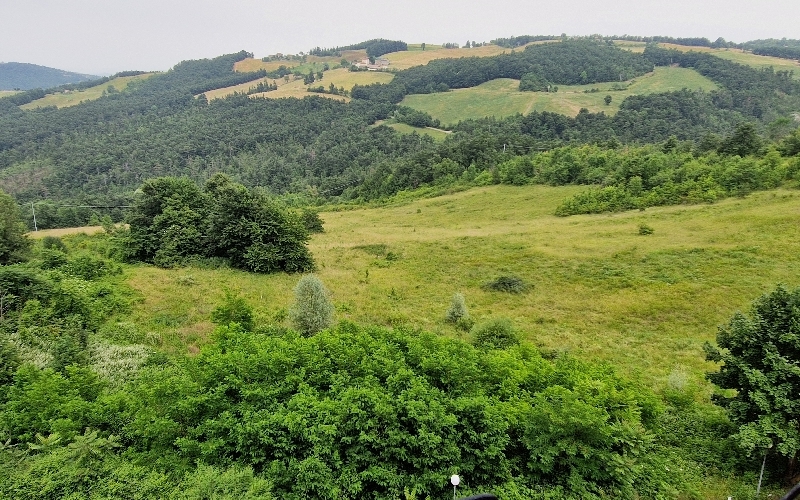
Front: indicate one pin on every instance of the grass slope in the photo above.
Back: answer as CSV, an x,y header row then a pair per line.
x,y
403,128
746,58
6,93
73,98
500,98
415,56
601,291
295,87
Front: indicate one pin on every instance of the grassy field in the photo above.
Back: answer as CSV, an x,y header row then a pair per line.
x,y
250,65
340,77
600,290
416,56
6,93
637,47
65,231
244,87
403,128
73,98
746,58
501,98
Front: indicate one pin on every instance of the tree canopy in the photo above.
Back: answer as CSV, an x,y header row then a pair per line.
x,y
760,356
173,220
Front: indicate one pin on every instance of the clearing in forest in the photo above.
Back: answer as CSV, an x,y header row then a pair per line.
x,y
415,56
69,98
501,97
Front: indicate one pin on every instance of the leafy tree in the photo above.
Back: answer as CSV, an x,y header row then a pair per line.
x,y
14,244
312,310
759,355
607,99
174,220
494,334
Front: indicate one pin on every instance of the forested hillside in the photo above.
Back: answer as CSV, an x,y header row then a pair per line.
x,y
99,152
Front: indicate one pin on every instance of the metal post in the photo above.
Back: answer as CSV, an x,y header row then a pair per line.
x,y
761,476
34,218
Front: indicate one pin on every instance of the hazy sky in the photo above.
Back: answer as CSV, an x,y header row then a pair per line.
x,y
106,36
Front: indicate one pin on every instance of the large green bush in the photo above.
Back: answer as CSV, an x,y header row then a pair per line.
x,y
173,221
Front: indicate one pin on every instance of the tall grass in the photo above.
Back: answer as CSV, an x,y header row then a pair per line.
x,y
602,291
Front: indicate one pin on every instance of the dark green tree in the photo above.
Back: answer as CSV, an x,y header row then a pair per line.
x,y
14,245
760,353
607,100
744,141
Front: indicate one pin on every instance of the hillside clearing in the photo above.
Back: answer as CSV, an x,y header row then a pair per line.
x,y
500,98
73,98
410,58
742,57
340,77
601,291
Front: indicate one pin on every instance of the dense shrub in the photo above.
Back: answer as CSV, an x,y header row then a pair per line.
x,y
494,334
234,309
507,284
312,310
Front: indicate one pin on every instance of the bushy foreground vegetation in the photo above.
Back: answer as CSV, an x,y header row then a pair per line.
x,y
349,413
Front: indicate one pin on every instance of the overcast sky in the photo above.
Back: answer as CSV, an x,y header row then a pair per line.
x,y
107,36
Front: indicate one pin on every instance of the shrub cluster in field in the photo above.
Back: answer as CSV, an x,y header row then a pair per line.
x,y
174,221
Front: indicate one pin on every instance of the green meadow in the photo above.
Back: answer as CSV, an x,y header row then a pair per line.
x,y
501,97
746,58
73,98
600,290
403,128
6,93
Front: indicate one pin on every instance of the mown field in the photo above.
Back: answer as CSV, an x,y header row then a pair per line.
x,y
600,290
415,56
73,98
403,128
501,97
249,65
6,93
746,58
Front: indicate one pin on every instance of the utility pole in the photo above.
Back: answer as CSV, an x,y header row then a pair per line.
x,y
34,218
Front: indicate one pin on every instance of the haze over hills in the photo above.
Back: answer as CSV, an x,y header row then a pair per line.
x,y
25,76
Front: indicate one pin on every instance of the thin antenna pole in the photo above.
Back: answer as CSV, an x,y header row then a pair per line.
x,y
34,218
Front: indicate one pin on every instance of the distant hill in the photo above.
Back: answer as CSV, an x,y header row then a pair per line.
x,y
24,76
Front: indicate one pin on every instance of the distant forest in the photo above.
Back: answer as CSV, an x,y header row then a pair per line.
x,y
99,153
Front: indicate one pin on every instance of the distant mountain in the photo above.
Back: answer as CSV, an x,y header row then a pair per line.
x,y
24,76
